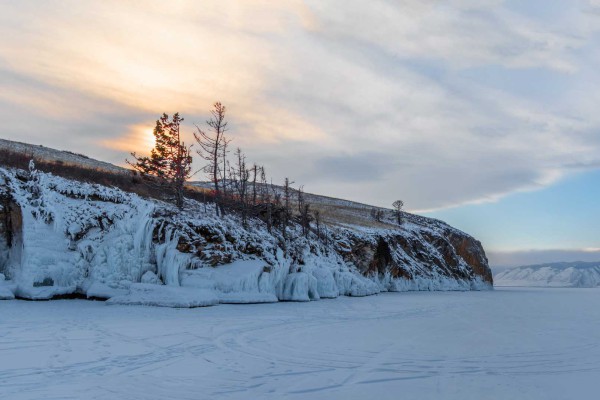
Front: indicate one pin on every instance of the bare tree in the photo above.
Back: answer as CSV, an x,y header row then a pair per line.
x,y
377,214
240,177
287,207
213,149
317,215
304,211
225,185
255,170
267,197
398,204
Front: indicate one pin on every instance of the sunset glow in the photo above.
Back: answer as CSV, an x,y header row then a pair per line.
x,y
139,139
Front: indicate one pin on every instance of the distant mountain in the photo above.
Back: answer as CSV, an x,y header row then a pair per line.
x,y
559,274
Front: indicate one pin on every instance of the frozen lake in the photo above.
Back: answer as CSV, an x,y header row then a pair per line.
x,y
505,344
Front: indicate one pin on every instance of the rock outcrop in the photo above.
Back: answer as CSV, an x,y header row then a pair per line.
x,y
60,237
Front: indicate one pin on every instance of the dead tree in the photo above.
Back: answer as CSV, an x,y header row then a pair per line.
x,y
225,184
317,216
398,204
240,177
287,209
267,197
377,214
304,212
255,170
213,149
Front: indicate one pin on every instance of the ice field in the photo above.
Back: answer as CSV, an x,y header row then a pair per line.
x,y
511,343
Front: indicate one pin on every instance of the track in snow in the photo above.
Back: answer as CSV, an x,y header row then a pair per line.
x,y
510,343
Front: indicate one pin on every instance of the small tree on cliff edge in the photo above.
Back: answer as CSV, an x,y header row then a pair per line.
x,y
170,162
213,149
398,204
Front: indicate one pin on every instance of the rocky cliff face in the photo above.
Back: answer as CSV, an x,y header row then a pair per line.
x,y
421,254
61,237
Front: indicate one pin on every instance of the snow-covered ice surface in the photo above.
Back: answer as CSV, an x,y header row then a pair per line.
x,y
511,343
564,274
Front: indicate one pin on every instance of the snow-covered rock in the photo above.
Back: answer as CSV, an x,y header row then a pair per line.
x,y
566,274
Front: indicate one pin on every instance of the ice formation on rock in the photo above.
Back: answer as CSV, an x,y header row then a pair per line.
x,y
69,237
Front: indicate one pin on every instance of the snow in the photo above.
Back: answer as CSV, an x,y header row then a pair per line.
x,y
574,274
65,157
7,289
43,292
247,298
6,293
511,343
165,296
98,290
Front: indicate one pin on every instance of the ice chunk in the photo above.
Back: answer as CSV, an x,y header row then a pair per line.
x,y
326,286
7,289
43,292
98,290
239,276
151,278
300,286
166,296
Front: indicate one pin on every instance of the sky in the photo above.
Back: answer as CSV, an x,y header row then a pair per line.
x,y
483,114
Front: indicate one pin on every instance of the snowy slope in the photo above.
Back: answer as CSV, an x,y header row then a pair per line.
x,y
564,274
60,237
52,155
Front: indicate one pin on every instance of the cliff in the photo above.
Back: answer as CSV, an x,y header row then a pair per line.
x,y
61,237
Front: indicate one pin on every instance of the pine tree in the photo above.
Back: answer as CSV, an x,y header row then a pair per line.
x,y
170,162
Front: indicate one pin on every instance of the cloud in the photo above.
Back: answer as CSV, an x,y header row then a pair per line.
x,y
460,33
369,101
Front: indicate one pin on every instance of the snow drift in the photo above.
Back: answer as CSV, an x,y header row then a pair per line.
x,y
60,237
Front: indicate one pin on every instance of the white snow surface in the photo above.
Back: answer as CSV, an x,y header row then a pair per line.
x,y
511,343
558,275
